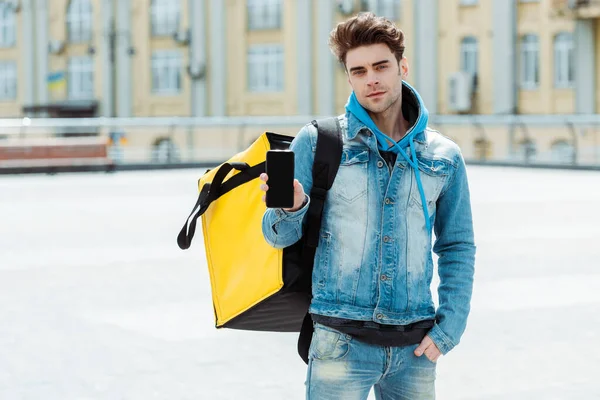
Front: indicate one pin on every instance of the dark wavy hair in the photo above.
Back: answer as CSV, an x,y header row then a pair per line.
x,y
362,30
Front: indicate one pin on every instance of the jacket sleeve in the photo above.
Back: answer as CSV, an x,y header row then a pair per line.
x,y
455,246
282,229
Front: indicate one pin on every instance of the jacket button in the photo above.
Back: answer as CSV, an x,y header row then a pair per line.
x,y
386,239
379,316
380,164
383,277
388,201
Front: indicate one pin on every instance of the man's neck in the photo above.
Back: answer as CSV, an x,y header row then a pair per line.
x,y
391,121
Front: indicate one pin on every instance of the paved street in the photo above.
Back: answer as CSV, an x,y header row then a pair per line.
x,y
98,302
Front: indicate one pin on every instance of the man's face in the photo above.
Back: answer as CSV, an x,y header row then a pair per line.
x,y
375,76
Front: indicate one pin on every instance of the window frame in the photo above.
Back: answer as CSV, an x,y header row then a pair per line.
x,y
78,67
80,21
469,56
564,66
8,26
8,80
390,9
165,17
562,152
527,150
259,17
266,63
166,72
529,51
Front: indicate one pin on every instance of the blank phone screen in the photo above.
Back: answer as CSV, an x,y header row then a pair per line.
x,y
280,169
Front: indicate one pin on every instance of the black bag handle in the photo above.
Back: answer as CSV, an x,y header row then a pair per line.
x,y
211,192
185,236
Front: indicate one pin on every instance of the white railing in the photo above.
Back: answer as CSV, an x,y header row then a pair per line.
x,y
211,140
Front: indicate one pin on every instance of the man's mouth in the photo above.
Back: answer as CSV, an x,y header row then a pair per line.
x,y
375,94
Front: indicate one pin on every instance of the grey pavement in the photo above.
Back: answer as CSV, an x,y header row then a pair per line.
x,y
98,302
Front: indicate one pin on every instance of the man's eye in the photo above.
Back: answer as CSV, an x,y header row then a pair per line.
x,y
380,67
358,72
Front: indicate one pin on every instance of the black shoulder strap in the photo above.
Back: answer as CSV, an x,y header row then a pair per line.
x,y
328,156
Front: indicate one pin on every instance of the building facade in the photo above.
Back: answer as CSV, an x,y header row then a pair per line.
x,y
270,57
144,58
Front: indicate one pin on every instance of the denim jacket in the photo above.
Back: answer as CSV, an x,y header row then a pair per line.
x,y
374,259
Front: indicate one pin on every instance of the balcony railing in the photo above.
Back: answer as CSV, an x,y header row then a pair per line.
x,y
40,144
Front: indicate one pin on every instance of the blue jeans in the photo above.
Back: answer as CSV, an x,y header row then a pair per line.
x,y
342,368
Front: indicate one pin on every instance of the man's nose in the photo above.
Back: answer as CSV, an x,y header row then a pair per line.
x,y
372,79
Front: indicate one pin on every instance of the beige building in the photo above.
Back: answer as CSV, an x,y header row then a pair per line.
x,y
145,58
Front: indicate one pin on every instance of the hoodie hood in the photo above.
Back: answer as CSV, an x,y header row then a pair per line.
x,y
413,109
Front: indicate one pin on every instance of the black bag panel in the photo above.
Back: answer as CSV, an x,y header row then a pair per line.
x,y
296,276
278,141
282,312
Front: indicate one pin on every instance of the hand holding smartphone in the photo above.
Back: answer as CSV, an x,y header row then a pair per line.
x,y
280,170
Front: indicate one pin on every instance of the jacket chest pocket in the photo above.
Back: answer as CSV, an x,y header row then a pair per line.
x,y
351,180
434,174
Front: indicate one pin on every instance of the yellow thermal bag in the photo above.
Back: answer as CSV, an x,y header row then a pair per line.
x,y
255,286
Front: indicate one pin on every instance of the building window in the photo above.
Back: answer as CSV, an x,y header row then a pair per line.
x,y
166,72
530,62
264,14
79,21
7,25
562,152
526,150
8,80
389,9
164,17
469,56
564,71
80,77
265,68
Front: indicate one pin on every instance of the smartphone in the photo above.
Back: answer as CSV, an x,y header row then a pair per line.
x,y
280,170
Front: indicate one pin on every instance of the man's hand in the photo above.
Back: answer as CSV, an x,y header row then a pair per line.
x,y
299,195
428,348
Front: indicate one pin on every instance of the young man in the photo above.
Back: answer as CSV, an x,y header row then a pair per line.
x,y
374,318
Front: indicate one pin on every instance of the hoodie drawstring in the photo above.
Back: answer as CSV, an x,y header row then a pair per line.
x,y
414,163
354,107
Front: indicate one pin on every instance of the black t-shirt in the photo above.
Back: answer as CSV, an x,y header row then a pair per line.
x,y
378,334
389,157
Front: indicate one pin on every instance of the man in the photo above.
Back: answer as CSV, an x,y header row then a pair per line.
x,y
374,318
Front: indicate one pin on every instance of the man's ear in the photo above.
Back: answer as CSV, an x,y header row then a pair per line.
x,y
404,68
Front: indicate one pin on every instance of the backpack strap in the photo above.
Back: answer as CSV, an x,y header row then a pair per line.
x,y
328,156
